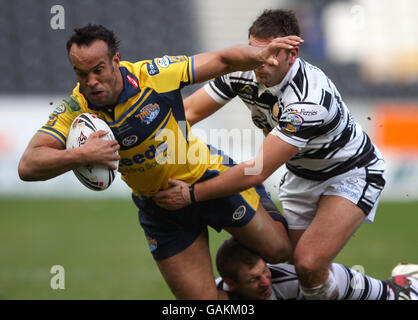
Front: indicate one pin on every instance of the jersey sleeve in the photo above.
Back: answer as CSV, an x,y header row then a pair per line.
x,y
220,90
300,122
60,119
168,73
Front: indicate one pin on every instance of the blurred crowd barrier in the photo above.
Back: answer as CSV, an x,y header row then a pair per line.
x,y
393,126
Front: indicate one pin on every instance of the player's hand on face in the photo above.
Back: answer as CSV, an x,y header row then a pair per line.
x,y
270,52
100,151
174,198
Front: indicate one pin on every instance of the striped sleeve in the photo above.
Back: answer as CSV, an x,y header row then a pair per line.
x,y
220,90
300,122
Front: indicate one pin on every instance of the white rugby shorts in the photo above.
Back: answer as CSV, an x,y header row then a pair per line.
x,y
300,196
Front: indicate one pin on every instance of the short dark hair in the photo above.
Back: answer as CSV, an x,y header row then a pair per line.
x,y
231,256
92,32
275,23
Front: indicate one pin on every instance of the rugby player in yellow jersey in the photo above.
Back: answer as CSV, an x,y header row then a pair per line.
x,y
143,106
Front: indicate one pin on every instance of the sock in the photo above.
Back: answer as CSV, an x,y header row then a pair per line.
x,y
348,284
353,285
326,291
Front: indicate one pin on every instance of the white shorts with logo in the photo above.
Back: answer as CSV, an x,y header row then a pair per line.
x,y
300,197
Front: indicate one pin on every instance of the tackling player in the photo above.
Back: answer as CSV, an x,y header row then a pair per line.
x,y
334,173
245,275
142,104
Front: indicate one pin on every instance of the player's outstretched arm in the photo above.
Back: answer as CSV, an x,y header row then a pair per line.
x,y
273,154
240,58
45,157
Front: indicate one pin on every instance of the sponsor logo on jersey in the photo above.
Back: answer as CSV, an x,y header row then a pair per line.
x,y
175,59
148,113
289,128
152,243
247,89
308,113
72,103
294,121
152,69
60,109
150,154
239,212
52,119
276,110
163,62
129,140
132,81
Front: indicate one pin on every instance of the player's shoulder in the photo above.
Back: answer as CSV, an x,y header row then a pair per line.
x,y
165,73
157,66
76,102
242,83
133,67
241,77
304,83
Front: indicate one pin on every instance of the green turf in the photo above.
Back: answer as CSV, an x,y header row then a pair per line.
x,y
105,255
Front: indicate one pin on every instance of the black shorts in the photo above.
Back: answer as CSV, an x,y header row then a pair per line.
x,y
170,232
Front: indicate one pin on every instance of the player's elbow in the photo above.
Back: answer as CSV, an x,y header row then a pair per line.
x,y
25,172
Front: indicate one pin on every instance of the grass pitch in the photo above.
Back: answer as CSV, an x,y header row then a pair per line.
x,y
103,250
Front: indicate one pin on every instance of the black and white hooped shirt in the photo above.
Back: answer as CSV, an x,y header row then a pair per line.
x,y
305,110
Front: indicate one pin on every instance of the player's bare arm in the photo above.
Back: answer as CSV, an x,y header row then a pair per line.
x,y
199,106
273,154
241,57
45,157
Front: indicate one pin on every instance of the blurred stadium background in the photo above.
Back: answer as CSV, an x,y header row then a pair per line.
x,y
369,48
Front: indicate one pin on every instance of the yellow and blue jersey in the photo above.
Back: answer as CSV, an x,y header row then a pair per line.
x,y
148,121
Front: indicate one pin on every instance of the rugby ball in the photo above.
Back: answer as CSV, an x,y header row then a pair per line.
x,y
94,177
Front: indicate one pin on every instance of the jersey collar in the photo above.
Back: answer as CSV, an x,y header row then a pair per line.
x,y
288,77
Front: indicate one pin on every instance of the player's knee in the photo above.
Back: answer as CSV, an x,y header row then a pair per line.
x,y
277,253
308,265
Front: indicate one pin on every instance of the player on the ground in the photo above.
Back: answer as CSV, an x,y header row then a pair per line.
x,y
245,275
334,174
142,104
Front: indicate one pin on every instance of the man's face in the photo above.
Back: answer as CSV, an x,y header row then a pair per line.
x,y
98,75
254,283
272,75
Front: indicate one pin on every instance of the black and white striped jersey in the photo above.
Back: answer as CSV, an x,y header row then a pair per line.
x,y
305,110
284,283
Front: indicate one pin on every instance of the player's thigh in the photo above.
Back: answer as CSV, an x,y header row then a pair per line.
x,y
189,273
335,222
264,235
